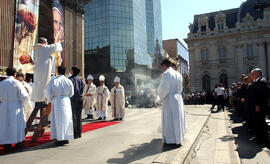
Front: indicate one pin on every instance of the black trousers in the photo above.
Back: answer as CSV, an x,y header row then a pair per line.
x,y
220,102
76,104
261,127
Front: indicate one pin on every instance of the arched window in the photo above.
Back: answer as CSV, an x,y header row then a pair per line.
x,y
224,80
222,55
206,83
204,55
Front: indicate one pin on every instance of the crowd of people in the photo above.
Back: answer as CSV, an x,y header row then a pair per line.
x,y
68,96
250,98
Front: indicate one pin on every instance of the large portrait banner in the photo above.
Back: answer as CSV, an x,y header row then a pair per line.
x,y
25,33
58,29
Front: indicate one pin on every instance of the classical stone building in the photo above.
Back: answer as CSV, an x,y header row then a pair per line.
x,y
225,44
73,24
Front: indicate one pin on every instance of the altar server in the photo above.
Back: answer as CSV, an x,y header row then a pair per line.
x,y
13,99
58,92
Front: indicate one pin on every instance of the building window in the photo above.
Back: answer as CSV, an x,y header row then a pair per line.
x,y
220,26
206,83
203,28
222,55
204,55
224,80
250,52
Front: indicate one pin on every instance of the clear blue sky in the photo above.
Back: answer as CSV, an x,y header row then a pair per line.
x,y
177,14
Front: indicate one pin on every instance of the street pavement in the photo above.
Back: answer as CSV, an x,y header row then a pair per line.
x,y
135,140
211,138
249,151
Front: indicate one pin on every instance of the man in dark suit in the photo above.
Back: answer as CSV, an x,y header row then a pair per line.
x,y
260,99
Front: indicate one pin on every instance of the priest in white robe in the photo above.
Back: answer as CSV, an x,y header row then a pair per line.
x,y
58,92
173,117
102,97
117,100
43,66
28,107
13,99
89,97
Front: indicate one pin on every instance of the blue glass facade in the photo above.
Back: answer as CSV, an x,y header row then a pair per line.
x,y
120,25
182,51
154,25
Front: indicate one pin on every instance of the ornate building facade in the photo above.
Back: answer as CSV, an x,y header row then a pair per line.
x,y
225,44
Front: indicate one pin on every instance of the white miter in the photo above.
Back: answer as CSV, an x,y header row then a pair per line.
x,y
90,77
101,78
117,79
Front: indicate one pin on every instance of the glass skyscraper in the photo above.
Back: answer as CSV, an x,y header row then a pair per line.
x,y
122,32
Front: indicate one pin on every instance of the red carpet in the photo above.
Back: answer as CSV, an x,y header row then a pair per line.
x,y
46,137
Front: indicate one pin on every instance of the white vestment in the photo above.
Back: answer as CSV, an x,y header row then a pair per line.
x,y
28,107
118,102
13,98
42,70
173,116
89,101
58,92
102,97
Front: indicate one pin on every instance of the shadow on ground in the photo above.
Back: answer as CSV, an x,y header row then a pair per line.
x,y
138,152
247,146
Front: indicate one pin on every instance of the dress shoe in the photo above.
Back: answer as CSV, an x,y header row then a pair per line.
x,y
115,119
19,145
104,118
7,147
100,118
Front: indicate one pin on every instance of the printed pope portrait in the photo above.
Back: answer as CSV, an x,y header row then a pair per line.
x,y
26,22
58,29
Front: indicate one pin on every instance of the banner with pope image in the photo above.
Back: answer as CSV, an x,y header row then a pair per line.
x,y
58,29
25,33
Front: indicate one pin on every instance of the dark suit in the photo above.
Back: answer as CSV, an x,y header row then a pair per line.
x,y
76,104
260,92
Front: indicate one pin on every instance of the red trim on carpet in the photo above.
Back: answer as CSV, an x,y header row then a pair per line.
x,y
46,137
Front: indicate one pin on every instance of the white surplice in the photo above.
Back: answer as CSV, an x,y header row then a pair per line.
x,y
89,101
173,116
13,99
42,70
58,92
118,102
102,97
28,107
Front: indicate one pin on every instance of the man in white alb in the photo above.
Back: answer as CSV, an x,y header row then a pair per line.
x,y
89,97
173,117
13,98
118,100
58,92
103,96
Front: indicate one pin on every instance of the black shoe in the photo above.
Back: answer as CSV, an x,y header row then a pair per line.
x,y
121,119
91,116
7,147
59,143
65,142
100,118
104,118
88,117
115,119
19,145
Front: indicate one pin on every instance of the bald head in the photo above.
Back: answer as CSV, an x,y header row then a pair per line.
x,y
256,73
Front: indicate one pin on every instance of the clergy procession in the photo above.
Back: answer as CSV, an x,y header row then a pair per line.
x,y
68,96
